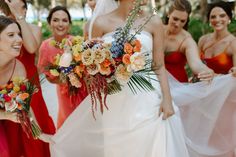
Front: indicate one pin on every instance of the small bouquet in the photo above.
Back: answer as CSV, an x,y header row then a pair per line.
x,y
15,96
105,67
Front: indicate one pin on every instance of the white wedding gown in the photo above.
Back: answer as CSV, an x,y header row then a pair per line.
x,y
130,128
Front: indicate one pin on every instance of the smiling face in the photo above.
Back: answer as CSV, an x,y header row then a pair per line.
x,y
60,24
177,20
10,40
219,19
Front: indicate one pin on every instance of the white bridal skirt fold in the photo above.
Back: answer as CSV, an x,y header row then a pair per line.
x,y
204,124
208,113
130,128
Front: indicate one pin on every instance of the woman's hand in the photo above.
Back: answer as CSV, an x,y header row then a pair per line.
x,y
167,108
46,138
233,71
206,75
16,8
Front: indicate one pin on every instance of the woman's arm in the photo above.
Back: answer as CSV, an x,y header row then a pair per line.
x,y
158,62
194,61
233,69
31,34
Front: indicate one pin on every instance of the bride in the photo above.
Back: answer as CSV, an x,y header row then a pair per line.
x,y
136,125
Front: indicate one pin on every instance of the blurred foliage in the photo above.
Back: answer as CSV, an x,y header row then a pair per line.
x,y
76,29
197,28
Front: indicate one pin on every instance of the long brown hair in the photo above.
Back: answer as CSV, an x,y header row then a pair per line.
x,y
181,5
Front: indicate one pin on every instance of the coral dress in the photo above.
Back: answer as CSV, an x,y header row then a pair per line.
x,y
67,102
19,143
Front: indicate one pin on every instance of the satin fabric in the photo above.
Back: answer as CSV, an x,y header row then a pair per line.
x,y
221,64
3,144
67,101
130,128
175,63
19,143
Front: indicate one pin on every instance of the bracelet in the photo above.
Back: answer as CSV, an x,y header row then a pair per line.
x,y
21,17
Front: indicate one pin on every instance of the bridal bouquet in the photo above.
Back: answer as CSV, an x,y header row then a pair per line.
x,y
105,67
15,97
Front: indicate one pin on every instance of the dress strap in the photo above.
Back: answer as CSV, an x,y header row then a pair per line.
x,y
13,70
182,43
203,50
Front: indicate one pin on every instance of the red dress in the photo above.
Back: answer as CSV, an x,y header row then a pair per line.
x,y
3,142
19,144
67,102
221,64
175,63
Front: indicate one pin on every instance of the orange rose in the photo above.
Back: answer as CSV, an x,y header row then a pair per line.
x,y
9,86
126,59
78,57
128,48
79,70
106,63
20,107
24,96
137,47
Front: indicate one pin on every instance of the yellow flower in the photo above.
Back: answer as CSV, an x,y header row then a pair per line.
x,y
57,59
4,91
77,48
54,72
16,89
53,43
77,40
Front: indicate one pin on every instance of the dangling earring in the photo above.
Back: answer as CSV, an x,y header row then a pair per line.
x,y
210,25
229,21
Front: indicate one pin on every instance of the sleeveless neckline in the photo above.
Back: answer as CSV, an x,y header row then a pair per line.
x,y
142,32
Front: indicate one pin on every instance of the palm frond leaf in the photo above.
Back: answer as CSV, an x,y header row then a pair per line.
x,y
113,87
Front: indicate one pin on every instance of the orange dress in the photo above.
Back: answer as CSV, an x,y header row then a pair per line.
x,y
67,102
19,143
175,63
221,64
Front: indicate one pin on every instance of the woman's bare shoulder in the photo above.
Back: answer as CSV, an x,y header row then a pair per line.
x,y
19,69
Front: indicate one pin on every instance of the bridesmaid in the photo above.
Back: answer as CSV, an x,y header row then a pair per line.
x,y
59,21
218,49
31,36
180,48
10,67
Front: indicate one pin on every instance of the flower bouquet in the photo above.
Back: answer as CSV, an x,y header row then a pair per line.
x,y
106,67
15,96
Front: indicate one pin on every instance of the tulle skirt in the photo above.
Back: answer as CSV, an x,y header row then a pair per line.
x,y
130,128
208,113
